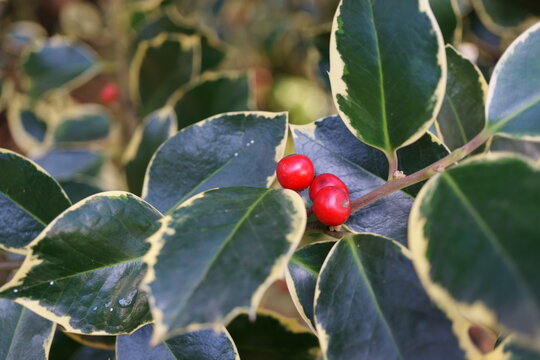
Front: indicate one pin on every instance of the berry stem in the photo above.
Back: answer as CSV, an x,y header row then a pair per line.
x,y
423,174
318,227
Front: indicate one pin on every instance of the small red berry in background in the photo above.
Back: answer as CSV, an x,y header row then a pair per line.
x,y
325,180
109,93
332,206
295,172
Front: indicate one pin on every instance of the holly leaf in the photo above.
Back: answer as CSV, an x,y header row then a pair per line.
x,y
201,345
29,199
502,17
66,165
162,65
84,270
486,205
86,122
58,63
25,335
302,274
262,227
462,115
229,92
154,131
449,19
513,102
272,337
333,149
387,70
212,153
369,301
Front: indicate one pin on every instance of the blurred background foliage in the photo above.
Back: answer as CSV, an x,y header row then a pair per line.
x,y
176,62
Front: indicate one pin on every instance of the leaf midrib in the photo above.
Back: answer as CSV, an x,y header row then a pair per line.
x,y
501,123
490,235
19,320
227,241
363,274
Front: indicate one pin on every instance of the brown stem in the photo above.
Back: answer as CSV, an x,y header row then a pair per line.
x,y
421,175
392,165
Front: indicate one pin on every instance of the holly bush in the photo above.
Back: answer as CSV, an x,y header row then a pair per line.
x,y
173,262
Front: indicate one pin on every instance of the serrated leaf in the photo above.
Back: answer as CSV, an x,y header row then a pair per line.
x,y
226,259
58,62
229,92
302,273
462,115
25,335
86,122
513,103
200,345
369,302
487,205
449,19
84,269
388,95
272,337
333,149
213,153
154,131
162,65
93,341
65,165
29,199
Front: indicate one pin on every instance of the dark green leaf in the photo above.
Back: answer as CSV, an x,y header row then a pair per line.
x,y
29,200
161,66
513,103
387,70
272,337
34,126
462,115
474,235
200,345
84,269
333,149
65,165
527,148
302,274
83,123
226,259
25,335
56,63
214,153
369,303
447,14
27,127
500,16
228,92
156,129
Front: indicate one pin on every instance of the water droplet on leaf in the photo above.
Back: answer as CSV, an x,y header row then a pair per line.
x,y
128,299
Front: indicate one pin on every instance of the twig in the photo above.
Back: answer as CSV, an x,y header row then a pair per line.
x,y
318,227
421,175
10,265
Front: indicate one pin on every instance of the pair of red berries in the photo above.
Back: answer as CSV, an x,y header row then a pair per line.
x,y
330,196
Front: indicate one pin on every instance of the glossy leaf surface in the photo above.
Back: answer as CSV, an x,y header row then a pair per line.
x,y
25,335
199,345
213,153
513,103
462,115
369,302
487,205
387,70
29,199
226,259
83,123
84,269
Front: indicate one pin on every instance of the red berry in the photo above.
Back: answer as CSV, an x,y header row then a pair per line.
x,y
295,172
332,206
109,93
325,180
